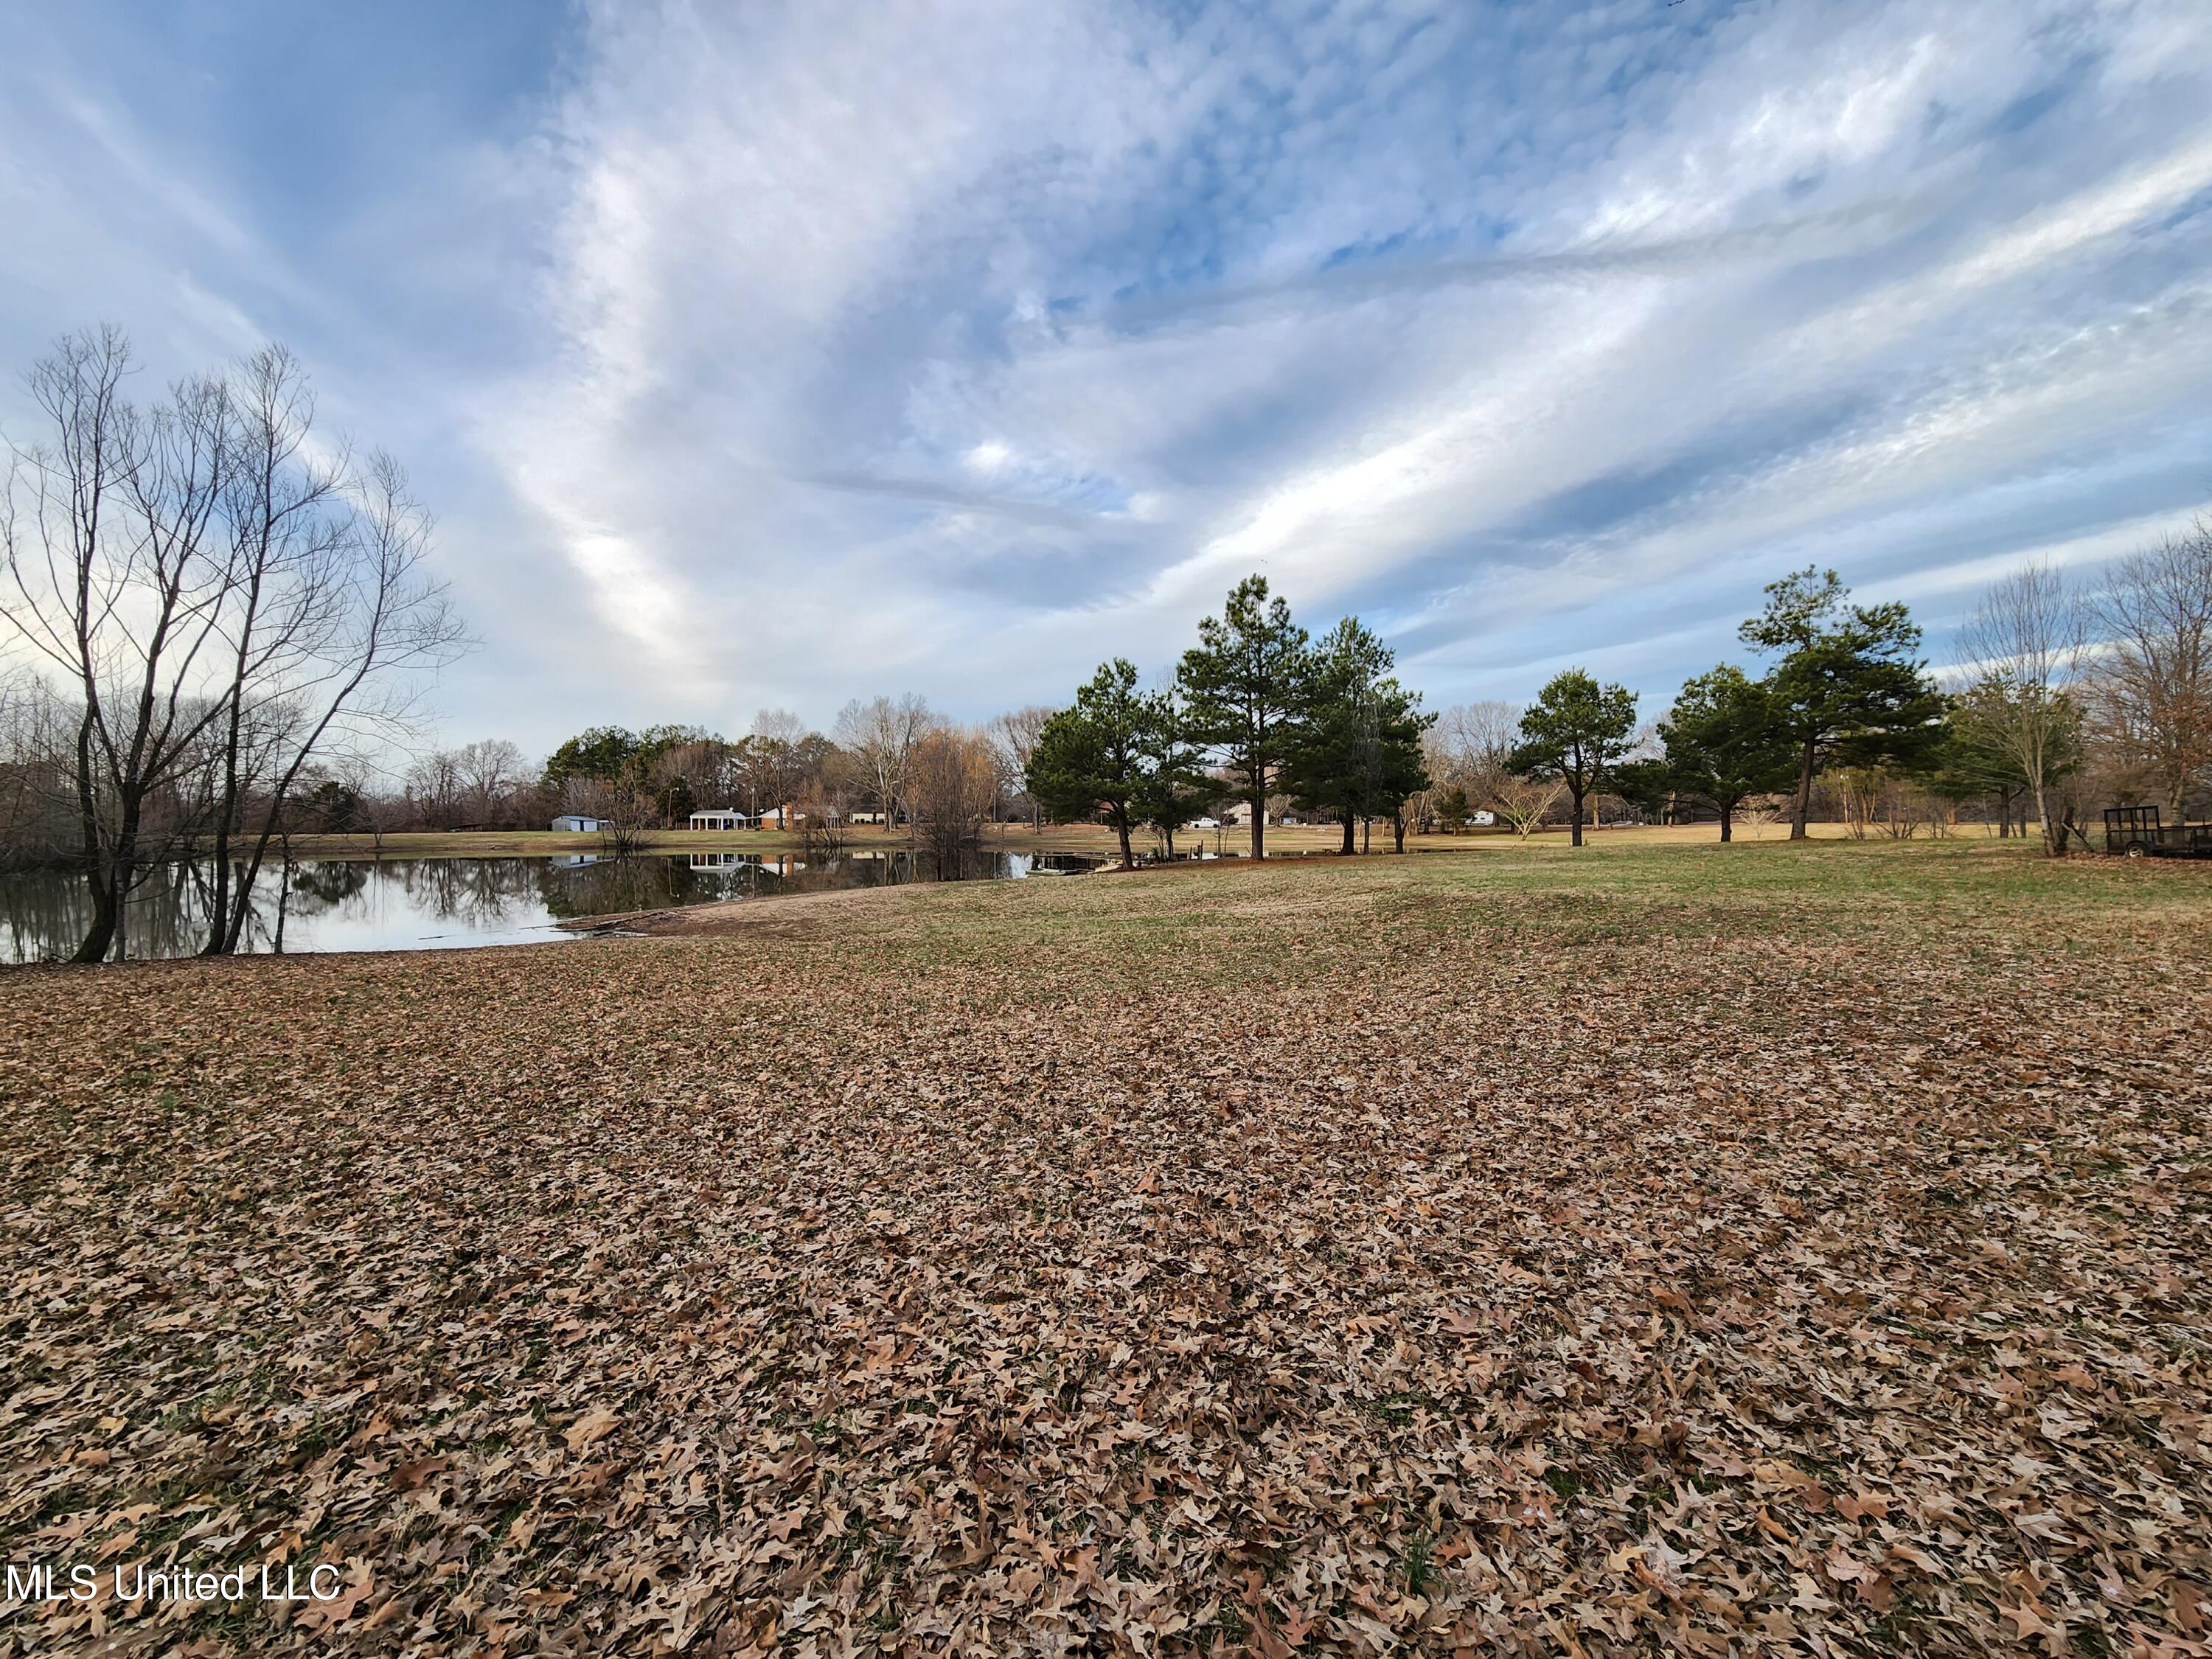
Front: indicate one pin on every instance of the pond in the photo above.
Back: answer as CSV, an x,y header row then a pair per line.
x,y
417,905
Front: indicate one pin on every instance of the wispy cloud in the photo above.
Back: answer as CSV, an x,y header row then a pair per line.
x,y
790,352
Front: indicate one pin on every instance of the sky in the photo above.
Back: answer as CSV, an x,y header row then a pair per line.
x,y
779,353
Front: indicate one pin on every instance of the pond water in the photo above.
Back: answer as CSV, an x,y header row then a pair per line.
x,y
416,904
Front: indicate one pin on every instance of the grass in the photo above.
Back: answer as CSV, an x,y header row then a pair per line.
x,y
1504,1248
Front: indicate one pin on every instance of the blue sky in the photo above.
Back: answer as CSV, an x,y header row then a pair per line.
x,y
778,354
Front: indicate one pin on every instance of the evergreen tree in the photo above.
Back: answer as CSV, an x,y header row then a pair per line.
x,y
1243,685
602,752
1092,758
1648,784
1576,732
1357,752
1724,741
1848,687
1176,786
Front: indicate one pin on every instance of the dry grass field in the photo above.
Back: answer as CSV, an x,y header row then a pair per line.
x,y
1663,1248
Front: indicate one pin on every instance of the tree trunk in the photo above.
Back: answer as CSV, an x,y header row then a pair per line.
x,y
1728,821
2054,836
1398,828
222,937
1260,824
1122,824
101,933
1802,808
1574,836
1346,848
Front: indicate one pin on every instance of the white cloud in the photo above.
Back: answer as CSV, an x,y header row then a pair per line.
x,y
956,346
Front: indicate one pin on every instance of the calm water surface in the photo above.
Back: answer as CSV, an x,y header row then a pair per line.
x,y
415,905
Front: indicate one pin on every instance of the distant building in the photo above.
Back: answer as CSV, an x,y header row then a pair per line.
x,y
577,823
718,817
1483,818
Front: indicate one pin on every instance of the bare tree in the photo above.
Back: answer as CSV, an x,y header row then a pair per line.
x,y
2153,678
1522,802
36,796
953,781
1760,811
284,540
881,737
2026,640
434,786
775,757
119,580
1013,737
375,618
375,804
221,602
1474,743
491,772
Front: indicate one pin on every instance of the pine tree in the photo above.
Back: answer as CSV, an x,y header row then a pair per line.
x,y
1357,753
1092,758
1575,732
1848,687
1724,742
1245,687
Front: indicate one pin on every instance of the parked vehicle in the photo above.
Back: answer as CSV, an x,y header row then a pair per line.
x,y
2134,832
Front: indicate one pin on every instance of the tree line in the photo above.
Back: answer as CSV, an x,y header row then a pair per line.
x,y
2065,695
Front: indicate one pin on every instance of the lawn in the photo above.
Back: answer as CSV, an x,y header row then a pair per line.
x,y
1764,1249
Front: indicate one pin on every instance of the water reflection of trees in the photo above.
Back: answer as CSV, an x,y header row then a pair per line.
x,y
44,913
479,893
47,912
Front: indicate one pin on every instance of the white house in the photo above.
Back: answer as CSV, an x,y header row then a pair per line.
x,y
575,823
1483,818
718,817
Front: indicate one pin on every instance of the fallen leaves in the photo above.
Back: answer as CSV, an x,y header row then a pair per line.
x,y
594,1426
1689,1264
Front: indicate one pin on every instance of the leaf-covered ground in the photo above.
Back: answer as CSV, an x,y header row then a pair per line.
x,y
1736,1251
